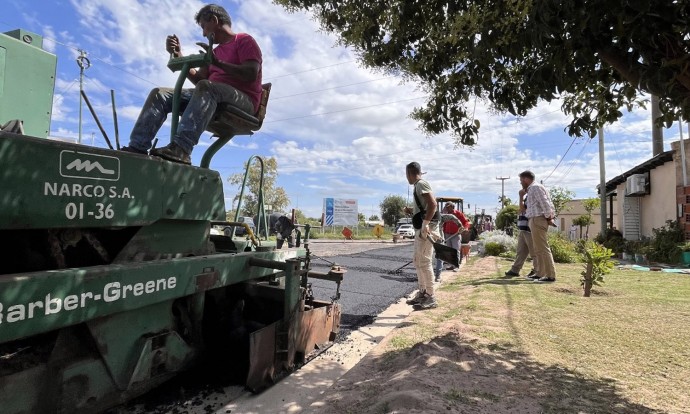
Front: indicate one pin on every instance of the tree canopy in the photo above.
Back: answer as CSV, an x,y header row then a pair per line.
x,y
276,197
560,197
507,217
595,54
392,209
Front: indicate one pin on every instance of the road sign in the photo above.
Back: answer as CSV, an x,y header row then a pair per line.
x,y
340,212
378,231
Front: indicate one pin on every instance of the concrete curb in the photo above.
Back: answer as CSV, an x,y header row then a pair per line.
x,y
305,387
303,390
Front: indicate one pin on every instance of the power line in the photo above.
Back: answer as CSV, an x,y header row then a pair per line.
x,y
562,158
618,158
574,161
344,110
368,159
309,70
330,89
66,89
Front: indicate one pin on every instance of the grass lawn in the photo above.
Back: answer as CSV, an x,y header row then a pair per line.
x,y
497,344
634,330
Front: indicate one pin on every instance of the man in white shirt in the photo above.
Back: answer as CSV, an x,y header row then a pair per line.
x,y
541,214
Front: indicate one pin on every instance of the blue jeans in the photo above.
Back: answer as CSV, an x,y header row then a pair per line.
x,y
453,242
197,107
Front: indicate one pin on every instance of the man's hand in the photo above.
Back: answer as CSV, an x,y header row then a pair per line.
x,y
172,45
522,193
424,232
206,49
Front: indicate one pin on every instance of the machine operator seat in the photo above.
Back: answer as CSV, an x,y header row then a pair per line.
x,y
229,120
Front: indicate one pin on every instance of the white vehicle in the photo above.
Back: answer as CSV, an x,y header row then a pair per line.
x,y
240,230
406,230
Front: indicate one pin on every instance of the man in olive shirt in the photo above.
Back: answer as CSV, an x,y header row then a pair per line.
x,y
426,224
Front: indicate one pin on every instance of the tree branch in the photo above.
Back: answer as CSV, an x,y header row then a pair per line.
x,y
632,73
621,65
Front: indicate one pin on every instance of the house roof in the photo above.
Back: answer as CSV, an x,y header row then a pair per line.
x,y
650,164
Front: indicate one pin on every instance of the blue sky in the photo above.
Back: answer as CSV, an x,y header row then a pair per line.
x,y
337,129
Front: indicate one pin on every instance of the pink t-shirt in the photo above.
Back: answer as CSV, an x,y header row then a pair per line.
x,y
241,49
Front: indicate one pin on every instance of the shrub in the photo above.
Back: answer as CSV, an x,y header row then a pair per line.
x,y
685,247
664,245
509,243
612,239
562,249
493,249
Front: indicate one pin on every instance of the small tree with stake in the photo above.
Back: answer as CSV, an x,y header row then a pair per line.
x,y
597,263
590,204
582,221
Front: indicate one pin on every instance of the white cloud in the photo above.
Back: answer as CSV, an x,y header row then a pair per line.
x,y
353,152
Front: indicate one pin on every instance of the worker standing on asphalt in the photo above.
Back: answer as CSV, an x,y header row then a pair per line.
x,y
425,220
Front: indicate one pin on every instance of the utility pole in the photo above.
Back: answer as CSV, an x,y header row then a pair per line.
x,y
682,153
657,131
84,63
602,181
503,188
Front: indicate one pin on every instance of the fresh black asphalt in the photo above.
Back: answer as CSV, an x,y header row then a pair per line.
x,y
370,284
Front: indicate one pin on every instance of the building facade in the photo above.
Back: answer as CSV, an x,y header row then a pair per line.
x,y
651,194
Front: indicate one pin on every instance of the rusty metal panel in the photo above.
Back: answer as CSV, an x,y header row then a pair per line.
x,y
206,281
317,326
262,350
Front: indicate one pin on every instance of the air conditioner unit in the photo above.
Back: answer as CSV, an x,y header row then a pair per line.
x,y
636,185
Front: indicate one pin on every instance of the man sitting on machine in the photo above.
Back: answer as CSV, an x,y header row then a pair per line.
x,y
233,77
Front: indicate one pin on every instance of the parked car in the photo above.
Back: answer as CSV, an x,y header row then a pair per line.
x,y
406,230
240,230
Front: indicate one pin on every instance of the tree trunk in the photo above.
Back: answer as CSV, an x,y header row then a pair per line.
x,y
588,280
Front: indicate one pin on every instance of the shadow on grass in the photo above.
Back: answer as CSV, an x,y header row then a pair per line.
x,y
497,281
453,374
578,292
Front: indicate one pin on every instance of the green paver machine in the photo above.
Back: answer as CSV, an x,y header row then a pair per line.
x,y
110,281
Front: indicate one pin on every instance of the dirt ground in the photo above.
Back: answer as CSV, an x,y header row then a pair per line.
x,y
437,363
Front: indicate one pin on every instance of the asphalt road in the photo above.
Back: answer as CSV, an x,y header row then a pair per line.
x,y
370,284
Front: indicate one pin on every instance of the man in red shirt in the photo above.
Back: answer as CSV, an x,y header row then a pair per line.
x,y
451,234
233,77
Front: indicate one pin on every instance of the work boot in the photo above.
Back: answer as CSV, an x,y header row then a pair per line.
x,y
416,299
426,302
437,279
133,150
545,279
531,273
172,152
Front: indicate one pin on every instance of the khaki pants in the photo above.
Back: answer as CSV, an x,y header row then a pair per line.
x,y
423,252
539,227
524,248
